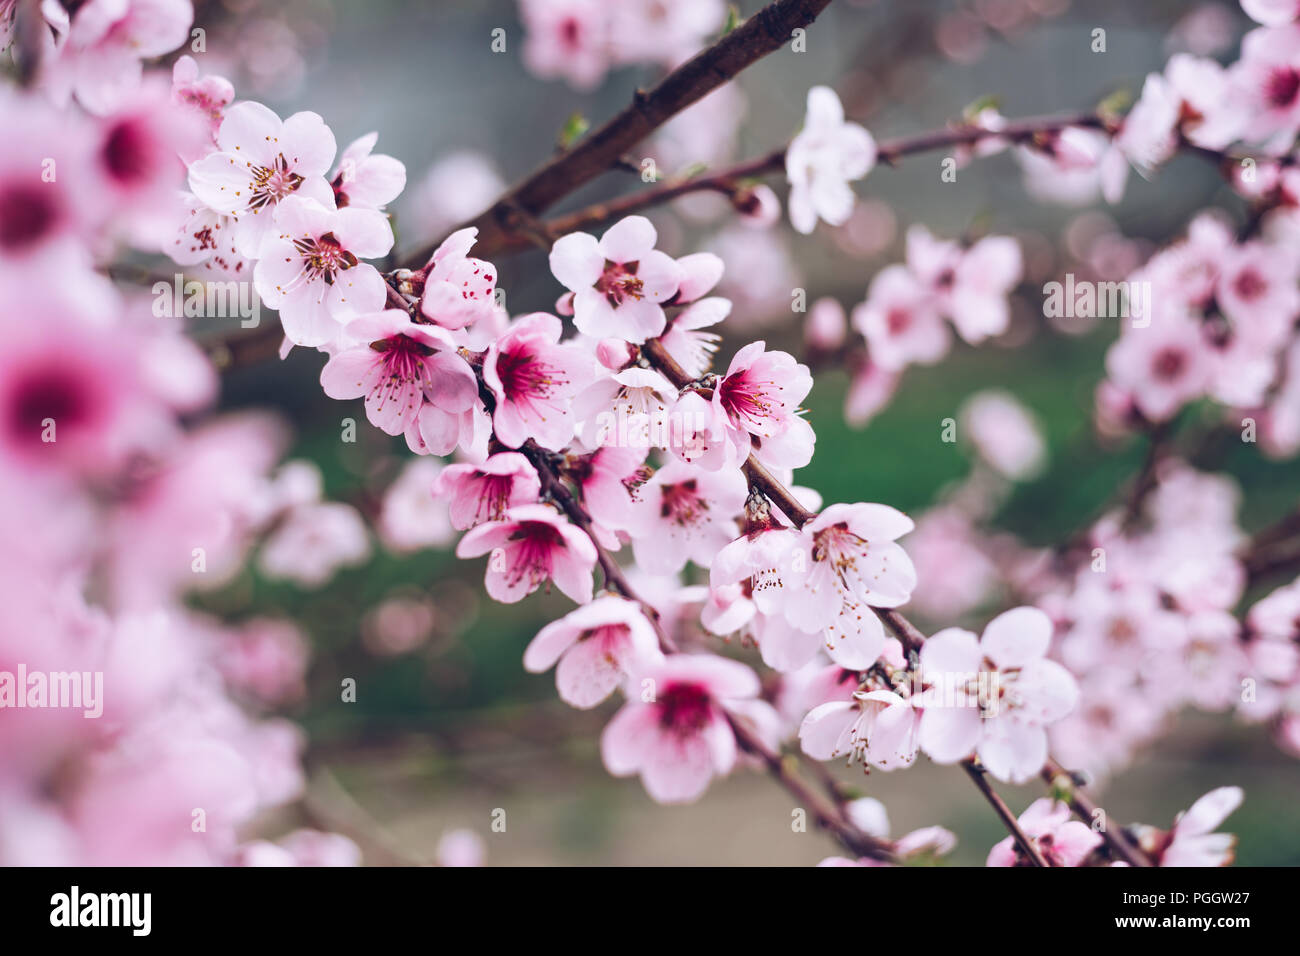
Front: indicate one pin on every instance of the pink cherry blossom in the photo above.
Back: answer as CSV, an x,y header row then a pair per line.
x,y
1267,80
400,367
628,408
1061,841
260,161
266,659
311,270
314,542
1257,291
208,96
971,285
458,289
685,339
107,40
38,217
1074,168
1149,136
851,562
1006,728
826,325
685,513
877,727
1208,112
758,400
1163,366
1191,841
619,282
823,159
484,492
611,479
136,162
567,38
870,391
534,379
1004,433
413,517
673,730
597,647
900,321
365,178
530,545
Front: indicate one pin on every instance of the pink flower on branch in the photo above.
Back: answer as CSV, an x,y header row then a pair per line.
x,y
619,282
1061,841
823,159
484,492
311,271
674,730
597,647
757,403
401,369
458,289
530,545
365,178
994,696
851,562
877,727
260,161
1191,841
534,379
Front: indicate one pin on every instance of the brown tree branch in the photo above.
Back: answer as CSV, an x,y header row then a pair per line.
x,y
1027,846
729,179
911,637
601,149
1085,809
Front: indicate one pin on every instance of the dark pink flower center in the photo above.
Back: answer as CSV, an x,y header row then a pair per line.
x,y
1169,364
682,503
324,257
127,155
747,398
524,375
1250,284
272,183
897,320
494,495
619,282
684,709
47,393
27,213
535,543
1281,87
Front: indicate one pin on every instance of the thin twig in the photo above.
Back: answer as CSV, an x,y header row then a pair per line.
x,y
1086,810
1027,846
727,180
601,149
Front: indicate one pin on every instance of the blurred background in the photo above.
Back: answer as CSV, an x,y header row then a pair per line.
x,y
447,727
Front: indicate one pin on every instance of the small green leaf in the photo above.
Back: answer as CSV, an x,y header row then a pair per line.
x,y
1116,103
733,19
987,101
574,127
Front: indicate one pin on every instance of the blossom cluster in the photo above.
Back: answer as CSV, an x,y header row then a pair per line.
x,y
605,435
117,509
